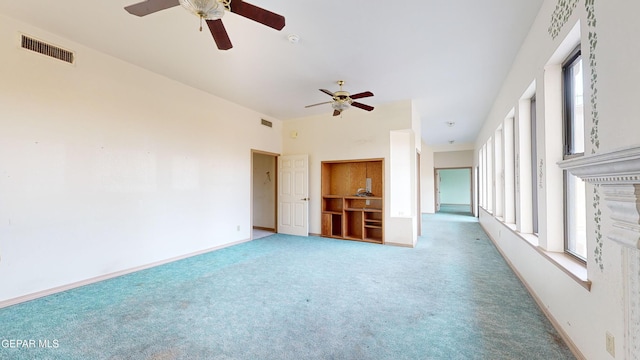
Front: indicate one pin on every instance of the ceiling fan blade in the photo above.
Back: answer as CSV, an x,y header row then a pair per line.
x,y
327,92
362,95
150,6
219,34
257,14
322,103
362,106
336,112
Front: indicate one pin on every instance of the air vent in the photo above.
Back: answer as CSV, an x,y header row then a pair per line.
x,y
47,49
266,123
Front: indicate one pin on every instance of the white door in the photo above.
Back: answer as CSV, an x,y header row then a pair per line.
x,y
293,195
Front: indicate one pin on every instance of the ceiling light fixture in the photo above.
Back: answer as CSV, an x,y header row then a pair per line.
x,y
206,9
341,104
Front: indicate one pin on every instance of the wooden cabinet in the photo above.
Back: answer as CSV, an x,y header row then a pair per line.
x,y
353,200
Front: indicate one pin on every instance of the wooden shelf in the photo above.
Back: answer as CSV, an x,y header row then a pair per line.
x,y
346,215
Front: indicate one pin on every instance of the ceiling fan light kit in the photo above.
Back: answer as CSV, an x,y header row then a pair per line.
x,y
212,12
342,100
340,104
205,9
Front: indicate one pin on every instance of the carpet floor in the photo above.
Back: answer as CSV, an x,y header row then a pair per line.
x,y
287,297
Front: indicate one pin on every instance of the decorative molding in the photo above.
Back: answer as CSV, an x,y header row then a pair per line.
x,y
561,15
617,175
615,167
624,202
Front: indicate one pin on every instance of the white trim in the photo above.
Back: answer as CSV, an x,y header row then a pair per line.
x,y
96,279
399,244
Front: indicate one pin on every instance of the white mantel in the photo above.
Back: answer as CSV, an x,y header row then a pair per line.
x,y
617,174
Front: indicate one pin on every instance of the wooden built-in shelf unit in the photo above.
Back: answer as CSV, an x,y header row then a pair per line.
x,y
345,215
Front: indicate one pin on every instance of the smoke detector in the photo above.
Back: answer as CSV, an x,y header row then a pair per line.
x,y
293,38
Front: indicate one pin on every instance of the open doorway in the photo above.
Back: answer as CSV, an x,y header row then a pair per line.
x,y
264,193
454,191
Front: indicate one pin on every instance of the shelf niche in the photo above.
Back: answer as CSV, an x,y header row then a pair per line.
x,y
346,215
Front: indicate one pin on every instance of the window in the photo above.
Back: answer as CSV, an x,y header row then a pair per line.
x,y
498,176
490,183
573,105
534,167
509,183
480,173
574,188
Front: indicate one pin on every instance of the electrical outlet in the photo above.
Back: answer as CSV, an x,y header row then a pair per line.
x,y
611,344
238,228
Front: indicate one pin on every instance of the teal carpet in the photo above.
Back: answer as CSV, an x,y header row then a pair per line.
x,y
286,297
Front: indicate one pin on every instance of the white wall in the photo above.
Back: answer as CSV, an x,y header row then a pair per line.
x,y
356,135
584,315
427,180
106,167
453,159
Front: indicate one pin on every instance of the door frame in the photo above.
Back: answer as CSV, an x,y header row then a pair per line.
x,y
436,175
418,189
275,177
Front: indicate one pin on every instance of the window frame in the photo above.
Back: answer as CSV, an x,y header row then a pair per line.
x,y
568,120
534,165
568,105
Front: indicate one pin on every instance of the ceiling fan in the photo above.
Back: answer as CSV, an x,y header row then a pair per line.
x,y
341,100
212,12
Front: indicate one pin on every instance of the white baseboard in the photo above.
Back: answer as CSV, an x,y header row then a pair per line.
x,y
96,279
399,244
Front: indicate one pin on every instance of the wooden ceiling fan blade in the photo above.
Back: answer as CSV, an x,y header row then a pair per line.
x,y
336,112
258,14
150,6
362,95
219,34
322,103
327,92
362,106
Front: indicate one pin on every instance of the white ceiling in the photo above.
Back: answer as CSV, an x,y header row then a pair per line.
x,y
449,56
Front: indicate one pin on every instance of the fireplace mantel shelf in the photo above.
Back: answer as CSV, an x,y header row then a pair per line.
x,y
616,167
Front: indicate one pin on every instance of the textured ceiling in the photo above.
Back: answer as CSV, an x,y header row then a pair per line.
x,y
449,56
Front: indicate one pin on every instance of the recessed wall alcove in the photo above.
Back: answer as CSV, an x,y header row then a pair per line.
x,y
617,175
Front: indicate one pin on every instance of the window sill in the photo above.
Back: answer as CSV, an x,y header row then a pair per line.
x,y
568,264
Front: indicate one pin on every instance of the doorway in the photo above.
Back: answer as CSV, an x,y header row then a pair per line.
x,y
264,200
454,191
